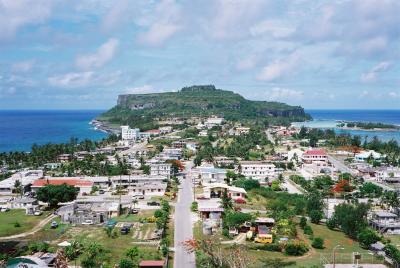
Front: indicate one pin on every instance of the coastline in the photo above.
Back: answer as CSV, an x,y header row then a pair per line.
x,y
103,127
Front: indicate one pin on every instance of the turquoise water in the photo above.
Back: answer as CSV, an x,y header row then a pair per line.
x,y
328,119
20,129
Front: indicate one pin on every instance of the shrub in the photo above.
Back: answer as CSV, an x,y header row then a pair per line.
x,y
318,242
126,263
315,216
308,230
269,247
303,222
194,206
17,224
296,248
367,237
331,223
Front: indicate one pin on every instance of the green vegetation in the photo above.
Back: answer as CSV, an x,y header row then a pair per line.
x,y
54,194
16,221
368,125
139,110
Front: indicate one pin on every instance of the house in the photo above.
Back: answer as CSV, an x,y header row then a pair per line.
x,y
165,130
213,121
216,190
152,264
364,156
256,169
317,155
52,166
37,260
179,144
385,222
223,161
203,133
150,133
29,204
64,158
238,131
161,169
192,145
388,174
26,178
84,186
141,184
208,174
128,133
295,155
171,154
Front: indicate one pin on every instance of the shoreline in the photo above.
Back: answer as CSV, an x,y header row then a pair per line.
x,y
103,127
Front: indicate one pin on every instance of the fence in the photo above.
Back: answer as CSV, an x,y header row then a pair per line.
x,y
350,258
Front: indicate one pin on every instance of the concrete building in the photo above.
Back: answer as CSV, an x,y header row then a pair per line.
x,y
26,178
207,174
256,169
128,133
213,121
216,190
84,186
364,156
317,155
385,222
161,169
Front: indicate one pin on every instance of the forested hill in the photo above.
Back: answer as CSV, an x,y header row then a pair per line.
x,y
139,109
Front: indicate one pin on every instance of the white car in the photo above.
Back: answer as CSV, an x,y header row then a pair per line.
x,y
37,213
4,209
88,222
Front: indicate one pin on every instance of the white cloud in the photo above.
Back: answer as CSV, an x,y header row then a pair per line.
x,y
394,94
372,75
284,94
247,63
104,54
234,18
275,28
278,68
23,66
15,14
142,89
166,22
71,79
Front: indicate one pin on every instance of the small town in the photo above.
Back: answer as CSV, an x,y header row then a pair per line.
x,y
203,190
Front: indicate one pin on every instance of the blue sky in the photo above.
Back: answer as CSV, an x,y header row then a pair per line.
x,y
63,54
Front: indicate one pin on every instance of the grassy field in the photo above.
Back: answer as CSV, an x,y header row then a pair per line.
x,y
9,219
135,217
313,257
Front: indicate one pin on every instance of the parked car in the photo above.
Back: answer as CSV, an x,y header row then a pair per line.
x,y
38,213
135,211
4,209
111,223
153,203
53,225
101,191
88,222
240,201
125,229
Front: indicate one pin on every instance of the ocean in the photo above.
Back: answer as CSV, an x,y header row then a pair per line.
x,y
328,119
20,129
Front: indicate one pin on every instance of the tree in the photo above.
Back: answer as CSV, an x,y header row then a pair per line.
x,y
247,184
133,254
94,255
351,219
315,216
367,236
318,242
18,187
226,201
303,222
54,194
235,219
126,263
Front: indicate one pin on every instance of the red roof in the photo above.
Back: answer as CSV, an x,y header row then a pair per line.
x,y
72,182
153,131
315,152
151,263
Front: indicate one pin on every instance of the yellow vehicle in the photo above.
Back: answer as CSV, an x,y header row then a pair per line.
x,y
265,239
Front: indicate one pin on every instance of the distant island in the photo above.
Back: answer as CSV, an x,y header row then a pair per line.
x,y
145,111
368,126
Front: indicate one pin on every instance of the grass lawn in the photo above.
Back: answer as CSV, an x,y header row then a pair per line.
x,y
135,217
312,258
10,218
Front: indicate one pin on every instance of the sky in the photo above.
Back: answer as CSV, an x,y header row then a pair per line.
x,y
80,54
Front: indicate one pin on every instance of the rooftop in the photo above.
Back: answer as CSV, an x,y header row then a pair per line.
x,y
73,182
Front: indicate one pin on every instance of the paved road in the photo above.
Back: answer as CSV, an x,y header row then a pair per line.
x,y
339,165
183,224
35,229
291,188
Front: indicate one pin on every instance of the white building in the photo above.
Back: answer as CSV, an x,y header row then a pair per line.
x,y
237,131
207,174
388,174
215,190
26,178
256,169
317,155
203,133
364,156
128,133
161,169
171,154
213,121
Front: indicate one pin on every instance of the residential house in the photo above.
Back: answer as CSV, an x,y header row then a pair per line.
x,y
161,169
26,178
84,186
365,155
216,190
64,158
385,222
317,155
208,174
213,121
